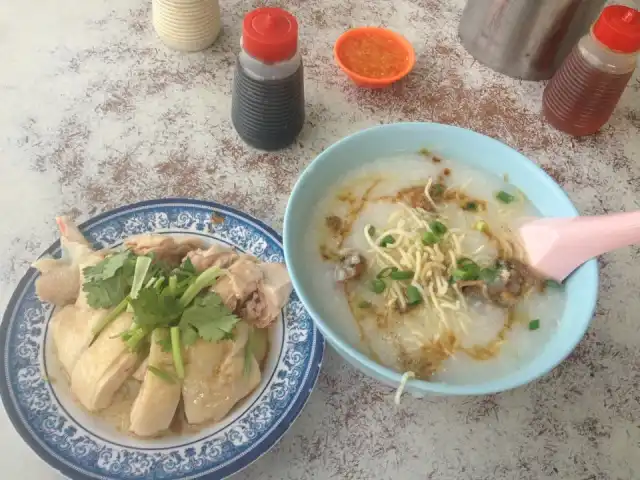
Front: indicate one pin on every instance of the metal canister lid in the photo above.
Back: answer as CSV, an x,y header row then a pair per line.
x,y
270,34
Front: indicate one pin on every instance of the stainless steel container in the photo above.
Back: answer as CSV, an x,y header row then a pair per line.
x,y
525,39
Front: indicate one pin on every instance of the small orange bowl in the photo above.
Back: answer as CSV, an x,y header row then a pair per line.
x,y
374,57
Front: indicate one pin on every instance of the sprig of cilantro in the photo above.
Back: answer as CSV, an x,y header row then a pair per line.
x,y
209,318
106,293
109,281
186,269
155,309
110,266
161,298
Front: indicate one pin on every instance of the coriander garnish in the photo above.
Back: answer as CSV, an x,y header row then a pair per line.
x,y
481,226
159,297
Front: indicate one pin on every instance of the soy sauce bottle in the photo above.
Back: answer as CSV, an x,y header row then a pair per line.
x,y
583,93
267,105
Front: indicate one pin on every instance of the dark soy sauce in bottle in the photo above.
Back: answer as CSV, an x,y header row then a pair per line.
x,y
267,105
583,93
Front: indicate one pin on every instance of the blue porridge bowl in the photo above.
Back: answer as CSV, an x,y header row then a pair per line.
x,y
465,147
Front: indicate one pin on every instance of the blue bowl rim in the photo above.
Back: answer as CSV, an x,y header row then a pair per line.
x,y
390,375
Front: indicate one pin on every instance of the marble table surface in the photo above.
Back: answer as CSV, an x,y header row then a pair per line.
x,y
95,112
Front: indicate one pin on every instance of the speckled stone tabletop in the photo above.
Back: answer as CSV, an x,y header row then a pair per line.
x,y
95,112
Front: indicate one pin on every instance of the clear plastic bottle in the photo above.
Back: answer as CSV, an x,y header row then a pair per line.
x,y
584,92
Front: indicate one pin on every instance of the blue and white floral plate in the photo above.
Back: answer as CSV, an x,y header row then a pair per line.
x,y
37,398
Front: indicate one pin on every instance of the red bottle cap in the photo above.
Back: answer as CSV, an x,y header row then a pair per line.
x,y
619,28
270,34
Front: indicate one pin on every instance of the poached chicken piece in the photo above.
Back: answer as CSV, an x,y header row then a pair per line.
x,y
92,343
269,298
215,256
104,366
217,377
157,401
168,249
257,291
72,324
59,282
241,280
71,328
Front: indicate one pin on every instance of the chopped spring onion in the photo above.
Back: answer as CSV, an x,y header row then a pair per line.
x,y
161,374
387,240
438,228
488,275
364,304
467,270
481,226
470,206
470,267
464,262
402,275
505,197
437,189
378,286
371,230
534,324
459,274
552,284
385,272
413,295
430,238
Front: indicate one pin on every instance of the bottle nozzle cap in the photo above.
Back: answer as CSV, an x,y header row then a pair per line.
x,y
270,34
618,27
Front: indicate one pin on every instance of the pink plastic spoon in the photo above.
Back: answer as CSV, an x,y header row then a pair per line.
x,y
557,246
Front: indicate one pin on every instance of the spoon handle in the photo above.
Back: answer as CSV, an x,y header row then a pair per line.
x,y
595,235
557,246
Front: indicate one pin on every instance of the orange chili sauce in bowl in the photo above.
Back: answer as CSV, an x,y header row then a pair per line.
x,y
374,57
